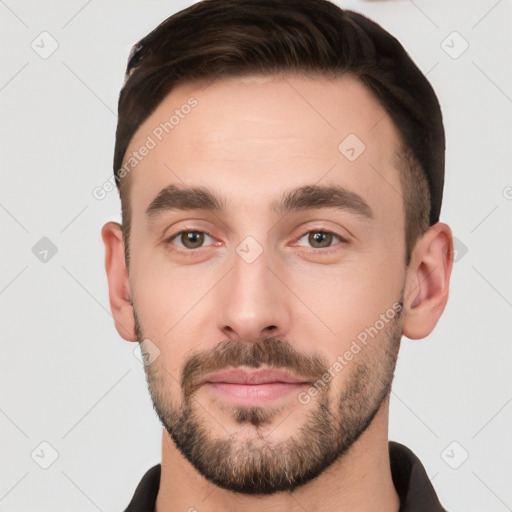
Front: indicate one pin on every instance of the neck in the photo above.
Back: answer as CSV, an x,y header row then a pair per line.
x,y
359,481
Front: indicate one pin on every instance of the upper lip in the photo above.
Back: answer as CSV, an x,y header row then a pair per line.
x,y
264,376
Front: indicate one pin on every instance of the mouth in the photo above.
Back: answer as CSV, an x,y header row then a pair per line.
x,y
253,387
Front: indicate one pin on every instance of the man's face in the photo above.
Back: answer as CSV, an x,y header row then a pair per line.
x,y
309,287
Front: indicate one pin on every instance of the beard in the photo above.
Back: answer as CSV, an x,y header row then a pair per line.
x,y
256,465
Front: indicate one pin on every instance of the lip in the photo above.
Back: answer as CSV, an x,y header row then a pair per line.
x,y
253,387
253,377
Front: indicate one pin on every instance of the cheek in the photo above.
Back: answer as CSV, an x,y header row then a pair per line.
x,y
165,291
172,305
341,301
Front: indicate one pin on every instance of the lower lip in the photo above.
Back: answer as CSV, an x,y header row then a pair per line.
x,y
254,394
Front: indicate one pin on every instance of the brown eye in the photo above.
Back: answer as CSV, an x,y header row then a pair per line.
x,y
322,242
192,239
320,239
188,239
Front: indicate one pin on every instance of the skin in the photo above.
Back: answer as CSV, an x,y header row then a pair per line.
x,y
250,139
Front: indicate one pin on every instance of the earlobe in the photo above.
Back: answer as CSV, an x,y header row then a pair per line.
x,y
118,281
428,279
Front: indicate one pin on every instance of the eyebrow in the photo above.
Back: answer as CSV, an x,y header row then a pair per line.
x,y
179,197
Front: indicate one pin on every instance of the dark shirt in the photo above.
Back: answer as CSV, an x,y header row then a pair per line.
x,y
409,477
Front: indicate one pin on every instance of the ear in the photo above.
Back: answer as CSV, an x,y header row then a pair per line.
x,y
427,282
118,281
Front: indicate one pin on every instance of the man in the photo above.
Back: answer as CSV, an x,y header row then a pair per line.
x,y
280,167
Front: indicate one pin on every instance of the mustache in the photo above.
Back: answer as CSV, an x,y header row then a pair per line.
x,y
271,352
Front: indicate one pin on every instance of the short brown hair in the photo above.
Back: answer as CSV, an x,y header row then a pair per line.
x,y
224,38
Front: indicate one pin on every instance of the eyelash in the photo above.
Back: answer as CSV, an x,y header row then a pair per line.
x,y
315,250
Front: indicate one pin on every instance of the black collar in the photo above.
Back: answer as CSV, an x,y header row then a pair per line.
x,y
409,477
411,481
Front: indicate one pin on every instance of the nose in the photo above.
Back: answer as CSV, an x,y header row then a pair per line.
x,y
253,300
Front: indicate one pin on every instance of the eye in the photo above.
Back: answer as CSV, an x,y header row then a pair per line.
x,y
321,239
189,239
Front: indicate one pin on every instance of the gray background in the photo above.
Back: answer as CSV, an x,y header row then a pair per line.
x,y
69,380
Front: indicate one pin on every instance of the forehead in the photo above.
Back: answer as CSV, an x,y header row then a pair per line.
x,y
259,134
